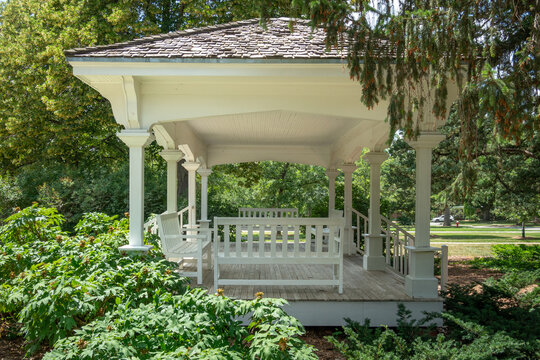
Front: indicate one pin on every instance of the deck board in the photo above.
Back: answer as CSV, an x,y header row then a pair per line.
x,y
358,284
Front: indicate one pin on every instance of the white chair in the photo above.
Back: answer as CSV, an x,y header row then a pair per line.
x,y
178,243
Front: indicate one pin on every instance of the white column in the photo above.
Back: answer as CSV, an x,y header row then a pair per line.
x,y
332,174
348,247
373,257
204,196
192,167
136,140
421,283
172,157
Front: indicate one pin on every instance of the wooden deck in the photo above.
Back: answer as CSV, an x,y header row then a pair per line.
x,y
366,294
359,284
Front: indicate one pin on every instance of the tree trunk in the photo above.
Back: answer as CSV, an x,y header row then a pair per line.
x,y
523,229
486,213
182,176
281,185
447,216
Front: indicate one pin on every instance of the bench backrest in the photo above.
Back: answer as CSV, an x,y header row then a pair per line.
x,y
267,212
169,225
172,234
280,237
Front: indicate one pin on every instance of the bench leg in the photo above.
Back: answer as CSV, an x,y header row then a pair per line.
x,y
199,267
340,276
216,275
209,258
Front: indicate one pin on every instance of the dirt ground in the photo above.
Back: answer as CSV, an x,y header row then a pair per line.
x,y
461,273
458,272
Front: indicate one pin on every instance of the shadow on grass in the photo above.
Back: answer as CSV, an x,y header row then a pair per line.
x,y
482,237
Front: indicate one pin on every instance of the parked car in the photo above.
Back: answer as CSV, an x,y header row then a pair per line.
x,y
441,218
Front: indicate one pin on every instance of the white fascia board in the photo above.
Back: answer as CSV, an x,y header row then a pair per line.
x,y
244,68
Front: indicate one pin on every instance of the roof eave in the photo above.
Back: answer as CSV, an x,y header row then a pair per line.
x,y
296,60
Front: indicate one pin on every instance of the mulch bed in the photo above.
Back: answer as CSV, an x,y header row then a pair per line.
x,y
12,348
461,273
315,335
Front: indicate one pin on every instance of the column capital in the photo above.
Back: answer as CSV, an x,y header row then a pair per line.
x,y
375,157
332,173
135,137
426,140
172,155
204,172
348,168
191,166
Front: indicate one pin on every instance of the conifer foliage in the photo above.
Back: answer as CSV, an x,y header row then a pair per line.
x,y
399,50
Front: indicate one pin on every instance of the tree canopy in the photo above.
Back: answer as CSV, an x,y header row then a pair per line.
x,y
56,132
399,50
46,114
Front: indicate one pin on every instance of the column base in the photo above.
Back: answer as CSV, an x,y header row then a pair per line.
x,y
135,249
426,288
204,224
374,262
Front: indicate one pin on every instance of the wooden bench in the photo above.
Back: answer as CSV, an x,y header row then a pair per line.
x,y
181,243
244,243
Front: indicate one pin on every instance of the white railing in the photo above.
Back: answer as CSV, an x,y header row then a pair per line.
x,y
360,229
184,213
151,226
444,266
397,239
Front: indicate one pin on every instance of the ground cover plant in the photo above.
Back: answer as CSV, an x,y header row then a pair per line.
x,y
81,296
509,258
494,319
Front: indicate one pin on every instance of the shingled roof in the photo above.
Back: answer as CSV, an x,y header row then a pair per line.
x,y
237,40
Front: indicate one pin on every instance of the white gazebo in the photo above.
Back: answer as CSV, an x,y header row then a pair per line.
x,y
239,93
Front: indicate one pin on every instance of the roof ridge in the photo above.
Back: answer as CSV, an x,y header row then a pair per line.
x,y
174,34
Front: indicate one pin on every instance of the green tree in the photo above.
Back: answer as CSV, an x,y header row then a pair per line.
x,y
52,126
48,114
489,47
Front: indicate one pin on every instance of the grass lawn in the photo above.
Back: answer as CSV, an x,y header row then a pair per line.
x,y
476,239
467,250
485,236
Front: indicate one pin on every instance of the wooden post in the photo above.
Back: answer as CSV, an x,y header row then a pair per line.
x,y
421,282
332,174
444,267
136,140
204,194
192,167
373,258
172,157
348,247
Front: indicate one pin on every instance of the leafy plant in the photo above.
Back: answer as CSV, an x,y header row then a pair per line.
x,y
511,258
493,320
194,325
34,223
80,294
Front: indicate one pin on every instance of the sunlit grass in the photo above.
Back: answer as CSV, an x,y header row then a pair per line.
x,y
469,250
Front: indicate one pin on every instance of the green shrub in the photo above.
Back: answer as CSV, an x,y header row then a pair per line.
x,y
189,326
80,294
492,320
57,283
511,257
